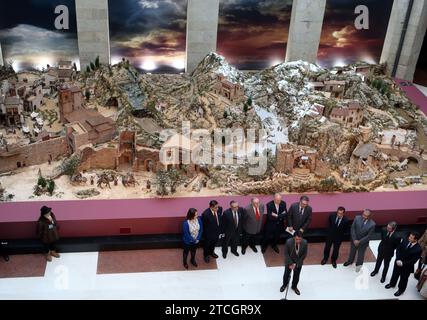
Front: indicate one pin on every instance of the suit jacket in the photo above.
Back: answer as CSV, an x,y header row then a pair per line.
x,y
291,256
337,232
250,224
388,244
298,221
272,223
228,224
408,256
211,227
361,231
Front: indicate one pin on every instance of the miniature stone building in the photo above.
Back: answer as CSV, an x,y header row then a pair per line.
x,y
290,157
350,116
231,91
100,129
11,108
335,87
65,71
177,151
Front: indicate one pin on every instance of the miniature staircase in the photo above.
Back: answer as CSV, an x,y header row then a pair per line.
x,y
302,175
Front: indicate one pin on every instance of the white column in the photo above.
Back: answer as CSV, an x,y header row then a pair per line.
x,y
93,31
305,30
1,57
414,36
202,28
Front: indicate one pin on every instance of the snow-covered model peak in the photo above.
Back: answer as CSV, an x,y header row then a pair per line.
x,y
215,63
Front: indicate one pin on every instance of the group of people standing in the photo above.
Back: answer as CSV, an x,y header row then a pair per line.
x,y
245,225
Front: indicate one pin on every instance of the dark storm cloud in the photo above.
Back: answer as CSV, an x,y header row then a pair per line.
x,y
28,35
340,41
152,30
252,34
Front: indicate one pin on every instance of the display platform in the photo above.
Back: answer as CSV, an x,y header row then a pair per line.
x,y
91,218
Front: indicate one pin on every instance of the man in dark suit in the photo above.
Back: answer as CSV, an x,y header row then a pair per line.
x,y
252,223
338,224
407,254
299,215
274,223
232,228
389,242
211,219
361,232
295,253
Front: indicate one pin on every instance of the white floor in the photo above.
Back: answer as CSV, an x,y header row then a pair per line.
x,y
73,276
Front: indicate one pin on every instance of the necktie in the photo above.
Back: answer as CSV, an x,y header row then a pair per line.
x,y
409,246
338,221
256,213
388,234
296,248
301,211
216,217
235,219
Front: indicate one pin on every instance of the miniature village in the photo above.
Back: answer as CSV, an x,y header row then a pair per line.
x,y
100,132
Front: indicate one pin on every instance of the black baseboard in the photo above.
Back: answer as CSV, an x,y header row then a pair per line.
x,y
161,241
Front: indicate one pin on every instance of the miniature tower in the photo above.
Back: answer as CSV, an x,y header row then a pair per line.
x,y
70,99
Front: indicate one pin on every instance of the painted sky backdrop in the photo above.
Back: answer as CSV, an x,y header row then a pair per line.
x,y
150,33
341,43
252,34
28,35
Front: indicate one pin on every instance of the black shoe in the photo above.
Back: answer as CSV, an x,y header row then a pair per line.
x,y
323,262
296,290
185,265
334,264
388,286
263,249
214,255
282,288
346,264
276,249
235,253
382,280
207,259
254,249
398,293
224,255
243,251
373,273
194,263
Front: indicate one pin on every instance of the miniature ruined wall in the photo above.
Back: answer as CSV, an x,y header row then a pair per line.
x,y
104,158
36,153
146,154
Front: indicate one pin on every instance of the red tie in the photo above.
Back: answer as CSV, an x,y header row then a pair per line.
x,y
256,213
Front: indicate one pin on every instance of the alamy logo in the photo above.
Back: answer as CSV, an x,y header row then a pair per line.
x,y
362,20
62,21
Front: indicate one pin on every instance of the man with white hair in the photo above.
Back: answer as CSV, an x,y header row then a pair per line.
x,y
274,222
361,232
252,223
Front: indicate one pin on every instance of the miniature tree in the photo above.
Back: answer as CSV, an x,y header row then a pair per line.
x,y
225,114
74,66
249,101
97,62
174,179
161,183
50,186
92,66
245,108
87,95
69,166
87,69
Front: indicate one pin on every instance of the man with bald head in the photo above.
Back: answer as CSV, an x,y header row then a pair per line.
x,y
252,223
274,223
361,232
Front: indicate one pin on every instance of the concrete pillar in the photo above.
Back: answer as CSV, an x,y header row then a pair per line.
x,y
305,30
202,28
93,31
414,36
1,57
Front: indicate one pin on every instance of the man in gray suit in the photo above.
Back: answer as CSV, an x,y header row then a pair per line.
x,y
361,231
252,223
295,253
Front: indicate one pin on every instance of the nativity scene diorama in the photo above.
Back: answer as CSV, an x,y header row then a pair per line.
x,y
110,131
